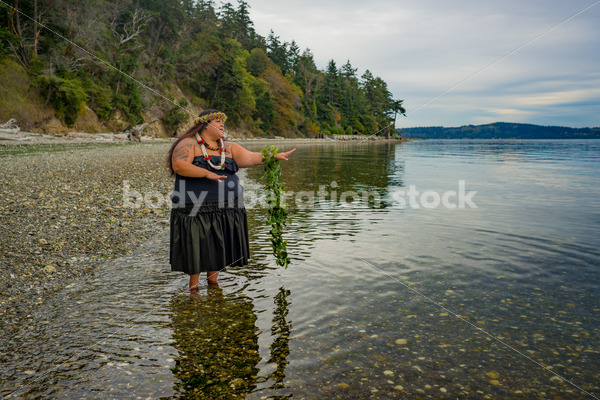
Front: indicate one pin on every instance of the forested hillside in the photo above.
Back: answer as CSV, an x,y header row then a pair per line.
x,y
502,130
124,62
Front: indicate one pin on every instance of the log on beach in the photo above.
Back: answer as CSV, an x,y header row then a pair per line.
x,y
10,127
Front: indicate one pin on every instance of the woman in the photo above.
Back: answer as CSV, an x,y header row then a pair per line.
x,y
209,229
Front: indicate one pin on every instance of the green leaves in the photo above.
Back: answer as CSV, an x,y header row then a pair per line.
x,y
67,96
276,207
175,116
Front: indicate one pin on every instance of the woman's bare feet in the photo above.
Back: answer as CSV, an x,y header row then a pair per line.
x,y
211,277
194,282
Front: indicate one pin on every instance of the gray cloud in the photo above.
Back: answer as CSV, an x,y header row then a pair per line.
x,y
424,48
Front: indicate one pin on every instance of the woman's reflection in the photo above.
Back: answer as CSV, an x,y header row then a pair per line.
x,y
281,329
217,340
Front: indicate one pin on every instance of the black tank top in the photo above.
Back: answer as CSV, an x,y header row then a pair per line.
x,y
197,190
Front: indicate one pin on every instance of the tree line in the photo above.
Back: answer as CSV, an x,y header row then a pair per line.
x,y
105,55
502,130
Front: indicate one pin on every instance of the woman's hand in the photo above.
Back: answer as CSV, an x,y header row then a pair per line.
x,y
215,177
284,156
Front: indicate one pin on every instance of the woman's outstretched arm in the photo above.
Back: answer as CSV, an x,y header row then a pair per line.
x,y
245,158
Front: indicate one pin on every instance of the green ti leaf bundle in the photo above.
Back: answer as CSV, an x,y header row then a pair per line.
x,y
276,207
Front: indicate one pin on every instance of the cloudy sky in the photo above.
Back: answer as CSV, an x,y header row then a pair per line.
x,y
458,62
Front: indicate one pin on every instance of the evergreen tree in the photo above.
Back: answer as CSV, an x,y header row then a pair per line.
x,y
278,52
265,107
329,99
203,10
350,98
308,78
226,87
246,34
228,19
293,54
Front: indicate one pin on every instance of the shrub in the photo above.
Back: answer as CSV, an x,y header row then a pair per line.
x,y
5,36
66,96
17,100
99,99
358,126
337,130
129,102
175,116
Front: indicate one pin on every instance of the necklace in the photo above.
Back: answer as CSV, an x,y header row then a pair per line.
x,y
204,145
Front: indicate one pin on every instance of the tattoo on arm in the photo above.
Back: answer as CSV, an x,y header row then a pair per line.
x,y
182,152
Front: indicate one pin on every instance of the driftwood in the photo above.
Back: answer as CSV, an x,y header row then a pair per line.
x,y
10,126
135,133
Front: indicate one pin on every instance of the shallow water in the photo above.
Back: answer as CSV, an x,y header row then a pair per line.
x,y
386,296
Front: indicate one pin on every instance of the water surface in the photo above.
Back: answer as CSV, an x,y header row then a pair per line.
x,y
383,299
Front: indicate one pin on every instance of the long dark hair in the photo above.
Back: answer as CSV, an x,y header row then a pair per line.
x,y
197,128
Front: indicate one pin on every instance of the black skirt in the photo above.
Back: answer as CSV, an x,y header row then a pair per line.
x,y
209,237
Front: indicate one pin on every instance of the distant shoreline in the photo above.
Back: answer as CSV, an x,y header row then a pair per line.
x,y
33,139
27,138
501,130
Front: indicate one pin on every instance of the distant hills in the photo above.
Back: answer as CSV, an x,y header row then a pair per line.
x,y
501,130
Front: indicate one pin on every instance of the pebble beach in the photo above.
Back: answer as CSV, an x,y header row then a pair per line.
x,y
63,212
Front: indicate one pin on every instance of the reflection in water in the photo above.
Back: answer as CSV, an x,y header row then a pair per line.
x,y
280,349
351,167
217,340
330,190
216,337
327,171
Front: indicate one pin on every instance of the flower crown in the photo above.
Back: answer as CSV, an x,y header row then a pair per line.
x,y
209,117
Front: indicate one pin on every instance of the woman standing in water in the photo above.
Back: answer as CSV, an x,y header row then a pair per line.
x,y
209,229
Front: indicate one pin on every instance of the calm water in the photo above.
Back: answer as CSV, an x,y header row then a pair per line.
x,y
389,295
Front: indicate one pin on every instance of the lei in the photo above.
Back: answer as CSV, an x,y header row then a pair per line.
x,y
276,207
203,146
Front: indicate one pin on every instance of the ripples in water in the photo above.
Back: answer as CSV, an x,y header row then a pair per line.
x,y
385,302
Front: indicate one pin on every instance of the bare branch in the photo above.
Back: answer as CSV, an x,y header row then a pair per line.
x,y
134,27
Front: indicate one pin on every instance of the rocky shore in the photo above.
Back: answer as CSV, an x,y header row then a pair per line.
x,y
67,207
16,136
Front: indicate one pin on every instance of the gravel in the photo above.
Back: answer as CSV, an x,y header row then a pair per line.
x,y
66,208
